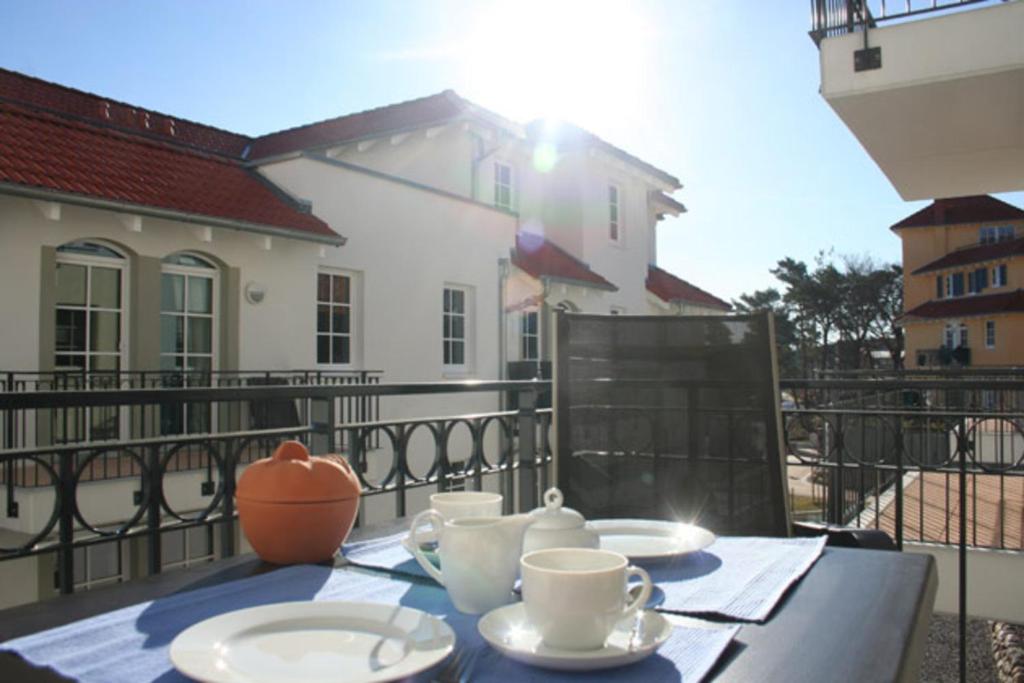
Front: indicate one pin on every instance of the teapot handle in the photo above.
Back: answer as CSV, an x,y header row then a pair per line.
x,y
436,520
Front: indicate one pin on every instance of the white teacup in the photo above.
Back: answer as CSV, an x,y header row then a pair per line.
x,y
575,596
460,504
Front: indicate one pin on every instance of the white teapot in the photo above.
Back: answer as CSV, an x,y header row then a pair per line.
x,y
557,527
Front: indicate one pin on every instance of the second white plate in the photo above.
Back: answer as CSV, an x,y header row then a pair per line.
x,y
648,539
312,641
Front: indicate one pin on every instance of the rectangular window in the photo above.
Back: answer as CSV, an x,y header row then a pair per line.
x,y
454,327
970,283
999,275
1004,233
949,335
981,279
963,336
614,214
938,287
502,186
530,336
987,235
958,284
333,319
990,334
949,286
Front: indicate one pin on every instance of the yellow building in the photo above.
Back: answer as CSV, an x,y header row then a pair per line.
x,y
963,264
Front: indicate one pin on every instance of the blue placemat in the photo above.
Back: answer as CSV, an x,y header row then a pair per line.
x,y
386,553
737,577
131,644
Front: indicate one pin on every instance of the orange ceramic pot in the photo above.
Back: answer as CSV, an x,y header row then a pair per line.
x,y
295,507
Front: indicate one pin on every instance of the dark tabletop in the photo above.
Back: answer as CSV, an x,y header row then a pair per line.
x,y
858,615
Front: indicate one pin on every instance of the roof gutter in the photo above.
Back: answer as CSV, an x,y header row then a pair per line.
x,y
167,214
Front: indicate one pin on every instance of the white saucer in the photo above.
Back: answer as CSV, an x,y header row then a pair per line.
x,y
634,638
312,641
650,539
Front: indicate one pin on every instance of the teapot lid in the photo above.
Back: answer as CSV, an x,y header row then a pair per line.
x,y
553,516
292,475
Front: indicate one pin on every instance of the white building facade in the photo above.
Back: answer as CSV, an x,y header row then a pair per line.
x,y
429,240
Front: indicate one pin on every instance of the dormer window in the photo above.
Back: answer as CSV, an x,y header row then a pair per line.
x,y
503,186
615,214
993,234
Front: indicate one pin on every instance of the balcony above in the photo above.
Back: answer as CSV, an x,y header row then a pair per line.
x,y
938,98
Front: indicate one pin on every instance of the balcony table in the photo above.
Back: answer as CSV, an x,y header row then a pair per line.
x,y
857,615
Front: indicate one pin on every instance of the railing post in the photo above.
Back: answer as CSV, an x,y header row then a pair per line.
x,y
962,443
323,420
838,493
527,449
153,551
66,552
227,531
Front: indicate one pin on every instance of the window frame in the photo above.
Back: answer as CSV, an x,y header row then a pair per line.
x,y
353,281
526,337
90,262
498,185
188,272
990,334
999,275
616,226
447,338
122,264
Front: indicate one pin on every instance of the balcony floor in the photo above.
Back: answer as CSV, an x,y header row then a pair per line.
x,y
941,656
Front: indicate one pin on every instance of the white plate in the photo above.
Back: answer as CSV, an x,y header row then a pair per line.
x,y
312,641
634,638
649,539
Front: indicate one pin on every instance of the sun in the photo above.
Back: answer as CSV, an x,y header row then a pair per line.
x,y
585,62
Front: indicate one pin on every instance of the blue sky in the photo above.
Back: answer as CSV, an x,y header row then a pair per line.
x,y
721,93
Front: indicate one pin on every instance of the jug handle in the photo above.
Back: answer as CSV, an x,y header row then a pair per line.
x,y
436,521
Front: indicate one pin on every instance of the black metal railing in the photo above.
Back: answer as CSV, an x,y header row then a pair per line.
x,y
925,459
839,17
71,423
511,446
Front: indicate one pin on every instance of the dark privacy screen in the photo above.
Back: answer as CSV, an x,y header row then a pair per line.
x,y
671,418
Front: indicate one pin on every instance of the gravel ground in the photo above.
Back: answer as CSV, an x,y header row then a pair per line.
x,y
942,653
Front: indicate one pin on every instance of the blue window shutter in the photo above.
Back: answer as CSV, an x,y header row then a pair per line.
x,y
938,286
970,283
981,278
958,284
1002,274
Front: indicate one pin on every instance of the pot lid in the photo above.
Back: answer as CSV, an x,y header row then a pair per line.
x,y
554,517
292,475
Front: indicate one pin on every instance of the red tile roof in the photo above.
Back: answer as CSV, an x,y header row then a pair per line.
x,y
974,209
16,87
1005,302
540,258
566,136
668,287
976,254
44,151
434,109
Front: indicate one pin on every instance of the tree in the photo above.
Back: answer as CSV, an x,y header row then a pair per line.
x,y
832,316
785,331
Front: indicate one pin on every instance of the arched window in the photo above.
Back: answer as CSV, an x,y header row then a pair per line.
x,y
188,334
89,334
90,307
